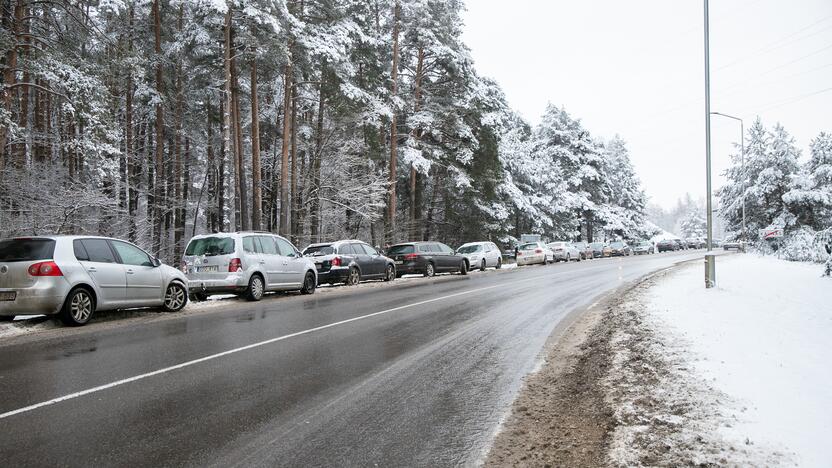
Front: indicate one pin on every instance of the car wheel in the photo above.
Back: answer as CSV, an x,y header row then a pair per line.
x,y
255,288
176,298
482,266
6,318
429,270
78,307
568,258
390,273
354,277
499,263
463,268
309,284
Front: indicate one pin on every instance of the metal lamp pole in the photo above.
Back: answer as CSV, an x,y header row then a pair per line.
x,y
742,158
710,259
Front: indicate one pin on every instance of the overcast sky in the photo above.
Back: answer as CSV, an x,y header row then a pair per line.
x,y
636,68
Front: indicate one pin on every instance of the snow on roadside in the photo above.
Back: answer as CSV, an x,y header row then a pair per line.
x,y
744,368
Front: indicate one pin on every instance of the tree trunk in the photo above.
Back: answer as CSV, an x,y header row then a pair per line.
x,y
237,131
415,198
224,142
293,176
160,134
178,166
284,159
256,178
227,139
9,75
315,192
394,75
132,204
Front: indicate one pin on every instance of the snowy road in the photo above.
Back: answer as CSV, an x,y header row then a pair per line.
x,y
414,373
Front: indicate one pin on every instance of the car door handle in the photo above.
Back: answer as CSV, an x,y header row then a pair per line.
x,y
91,269
285,263
129,272
262,262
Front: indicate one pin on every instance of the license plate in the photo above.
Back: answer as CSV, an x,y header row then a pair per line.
x,y
8,296
399,262
208,269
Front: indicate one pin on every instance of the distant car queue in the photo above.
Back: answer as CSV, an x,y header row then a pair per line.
x,y
75,276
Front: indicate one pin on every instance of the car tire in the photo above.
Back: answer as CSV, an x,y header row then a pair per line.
x,y
78,307
482,265
6,318
499,263
430,270
309,283
390,273
176,297
255,289
353,277
568,258
463,267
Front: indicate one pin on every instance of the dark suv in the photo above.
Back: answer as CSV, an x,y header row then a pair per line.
x,y
667,245
349,262
426,258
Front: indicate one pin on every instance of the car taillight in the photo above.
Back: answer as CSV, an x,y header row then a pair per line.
x,y
336,261
412,256
235,265
45,269
538,251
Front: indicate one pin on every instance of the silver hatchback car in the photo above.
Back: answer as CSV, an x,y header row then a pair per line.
x,y
247,264
75,276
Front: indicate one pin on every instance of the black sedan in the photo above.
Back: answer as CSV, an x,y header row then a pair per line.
x,y
426,258
349,262
667,245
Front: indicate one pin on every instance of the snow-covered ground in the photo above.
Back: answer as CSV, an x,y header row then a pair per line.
x,y
759,347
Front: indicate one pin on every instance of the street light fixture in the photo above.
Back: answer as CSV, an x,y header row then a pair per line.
x,y
742,157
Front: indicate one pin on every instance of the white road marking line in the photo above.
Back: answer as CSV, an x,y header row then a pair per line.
x,y
242,348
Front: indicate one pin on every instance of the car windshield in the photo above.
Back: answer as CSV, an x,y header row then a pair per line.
x,y
24,250
466,249
210,246
617,245
597,245
644,244
558,244
400,249
318,250
528,246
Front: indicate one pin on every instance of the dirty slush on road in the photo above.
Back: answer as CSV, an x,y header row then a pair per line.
x,y
614,392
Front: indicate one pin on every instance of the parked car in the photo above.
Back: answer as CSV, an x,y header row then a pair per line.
x,y
695,243
426,258
600,249
737,245
644,247
584,249
349,262
667,245
564,251
529,253
620,249
680,244
248,264
481,255
716,242
76,276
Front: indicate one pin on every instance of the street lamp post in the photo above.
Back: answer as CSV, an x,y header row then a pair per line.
x,y
710,259
742,159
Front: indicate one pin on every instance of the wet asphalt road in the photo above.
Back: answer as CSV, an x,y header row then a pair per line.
x,y
423,382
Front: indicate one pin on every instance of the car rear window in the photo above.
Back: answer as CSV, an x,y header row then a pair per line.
x,y
24,250
529,246
400,249
318,250
210,246
596,245
617,245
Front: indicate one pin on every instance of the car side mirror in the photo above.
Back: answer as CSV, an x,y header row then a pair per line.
x,y
156,262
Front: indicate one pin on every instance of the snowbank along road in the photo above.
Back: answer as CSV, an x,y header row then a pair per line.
x,y
419,373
